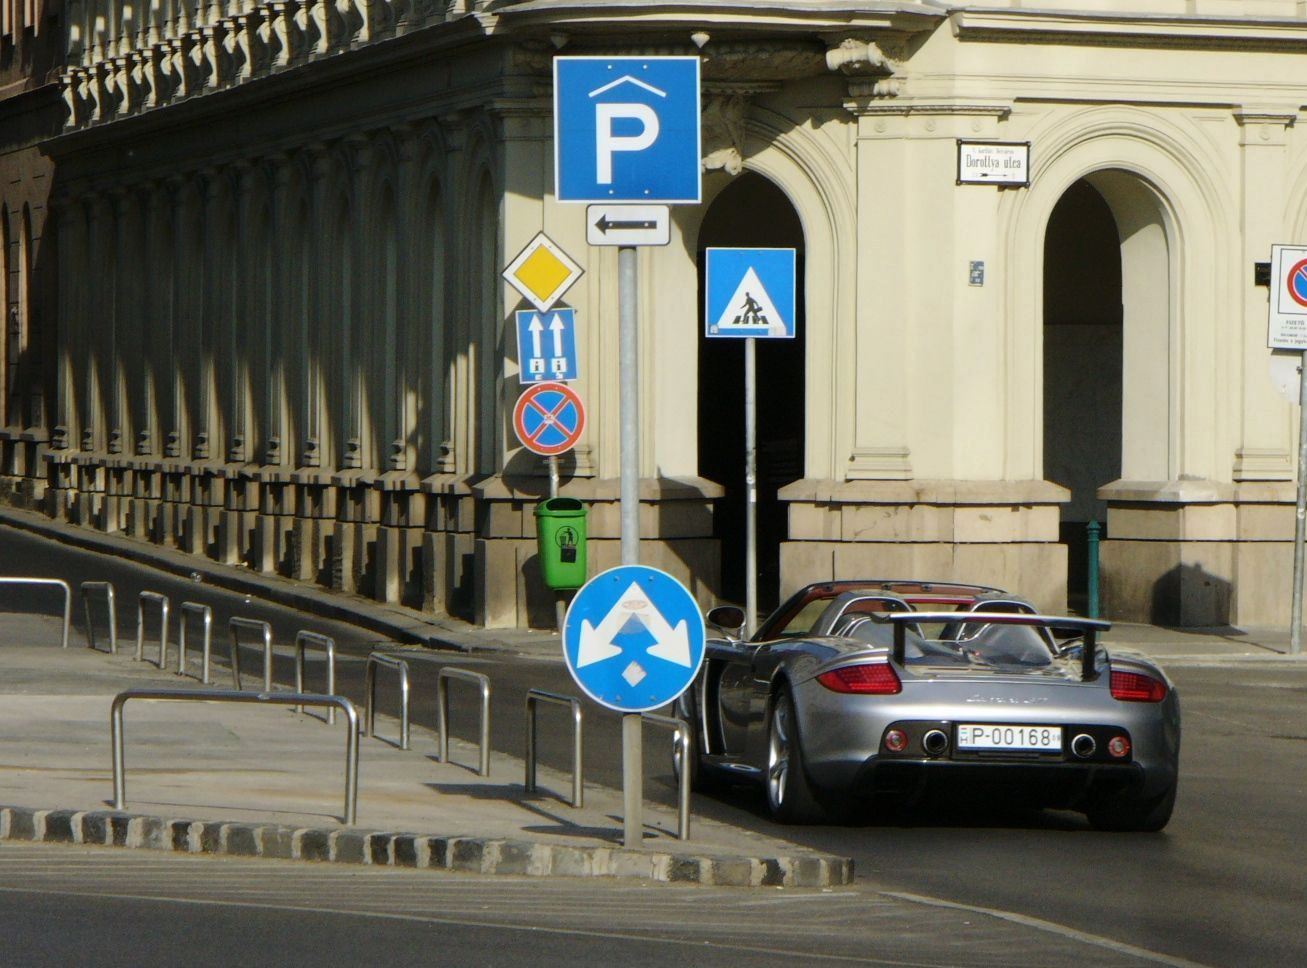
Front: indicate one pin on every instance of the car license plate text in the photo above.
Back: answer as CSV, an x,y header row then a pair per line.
x,y
973,736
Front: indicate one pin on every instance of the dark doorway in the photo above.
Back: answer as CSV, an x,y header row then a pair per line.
x,y
751,212
1082,366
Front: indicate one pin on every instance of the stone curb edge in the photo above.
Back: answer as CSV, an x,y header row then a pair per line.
x,y
475,855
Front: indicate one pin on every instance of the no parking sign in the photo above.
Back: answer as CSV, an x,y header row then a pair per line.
x,y
1288,318
549,418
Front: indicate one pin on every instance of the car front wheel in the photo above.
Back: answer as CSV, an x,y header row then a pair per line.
x,y
790,796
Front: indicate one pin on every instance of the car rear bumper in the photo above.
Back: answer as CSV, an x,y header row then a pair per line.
x,y
1050,784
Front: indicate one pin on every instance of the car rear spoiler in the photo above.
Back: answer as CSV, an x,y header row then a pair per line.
x,y
1088,627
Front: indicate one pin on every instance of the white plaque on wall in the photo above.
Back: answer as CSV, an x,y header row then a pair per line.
x,y
993,163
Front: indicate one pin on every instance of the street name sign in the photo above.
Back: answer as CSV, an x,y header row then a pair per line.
x,y
626,129
633,638
993,163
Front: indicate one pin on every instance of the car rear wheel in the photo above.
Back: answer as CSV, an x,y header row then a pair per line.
x,y
1132,813
790,796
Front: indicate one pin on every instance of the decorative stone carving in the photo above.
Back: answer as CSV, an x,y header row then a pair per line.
x,y
872,71
722,122
855,57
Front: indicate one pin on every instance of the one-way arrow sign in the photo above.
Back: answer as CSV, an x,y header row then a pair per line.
x,y
627,225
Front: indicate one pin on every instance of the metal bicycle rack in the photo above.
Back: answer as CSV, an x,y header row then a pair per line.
x,y
252,625
533,698
68,596
162,601
681,738
206,615
106,587
328,645
442,707
370,709
283,699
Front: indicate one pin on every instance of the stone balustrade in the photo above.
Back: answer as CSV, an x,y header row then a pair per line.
x,y
124,59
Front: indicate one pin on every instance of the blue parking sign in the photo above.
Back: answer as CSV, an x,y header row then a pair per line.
x,y
626,129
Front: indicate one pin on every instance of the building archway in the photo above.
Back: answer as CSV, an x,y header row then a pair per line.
x,y
1107,333
751,212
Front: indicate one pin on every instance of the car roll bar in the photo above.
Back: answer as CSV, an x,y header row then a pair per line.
x,y
1089,627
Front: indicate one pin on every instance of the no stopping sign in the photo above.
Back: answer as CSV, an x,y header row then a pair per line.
x,y
548,418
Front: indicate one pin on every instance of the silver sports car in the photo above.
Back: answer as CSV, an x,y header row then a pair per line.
x,y
870,690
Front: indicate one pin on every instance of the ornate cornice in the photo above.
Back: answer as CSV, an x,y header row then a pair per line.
x,y
1023,26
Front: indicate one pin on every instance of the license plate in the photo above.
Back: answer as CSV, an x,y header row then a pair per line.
x,y
974,736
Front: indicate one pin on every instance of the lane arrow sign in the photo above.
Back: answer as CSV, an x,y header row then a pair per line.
x,y
535,329
628,224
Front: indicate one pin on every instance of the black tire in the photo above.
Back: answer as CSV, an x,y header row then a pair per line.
x,y
791,797
1129,813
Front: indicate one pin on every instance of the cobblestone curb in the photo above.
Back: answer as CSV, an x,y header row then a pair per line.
x,y
467,854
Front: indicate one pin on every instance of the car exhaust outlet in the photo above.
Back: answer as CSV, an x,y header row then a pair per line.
x,y
1084,746
935,742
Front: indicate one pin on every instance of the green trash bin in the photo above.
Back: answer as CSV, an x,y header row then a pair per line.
x,y
560,539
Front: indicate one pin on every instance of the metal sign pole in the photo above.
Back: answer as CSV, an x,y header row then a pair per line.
x,y
628,356
1300,529
750,485
560,607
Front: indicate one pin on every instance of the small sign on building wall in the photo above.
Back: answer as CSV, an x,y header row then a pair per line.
x,y
1288,309
993,163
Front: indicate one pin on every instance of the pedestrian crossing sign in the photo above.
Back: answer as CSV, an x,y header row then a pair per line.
x,y
749,293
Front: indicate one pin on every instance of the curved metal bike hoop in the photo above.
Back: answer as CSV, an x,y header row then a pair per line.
x,y
107,587
681,739
328,645
283,699
68,596
533,698
154,598
442,708
370,709
253,625
206,615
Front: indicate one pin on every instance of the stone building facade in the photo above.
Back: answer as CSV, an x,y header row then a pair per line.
x,y
283,339
31,50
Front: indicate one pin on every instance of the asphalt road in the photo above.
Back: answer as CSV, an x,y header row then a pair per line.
x,y
66,905
1221,886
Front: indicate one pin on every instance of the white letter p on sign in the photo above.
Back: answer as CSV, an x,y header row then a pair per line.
x,y
607,143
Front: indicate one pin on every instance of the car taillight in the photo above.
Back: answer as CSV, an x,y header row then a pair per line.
x,y
1134,687
870,678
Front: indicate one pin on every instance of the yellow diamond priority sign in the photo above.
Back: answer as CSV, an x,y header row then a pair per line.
x,y
542,272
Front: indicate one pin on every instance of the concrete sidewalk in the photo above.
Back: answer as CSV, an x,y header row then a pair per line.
x,y
261,780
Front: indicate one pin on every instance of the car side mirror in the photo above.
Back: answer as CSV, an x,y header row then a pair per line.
x,y
728,619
